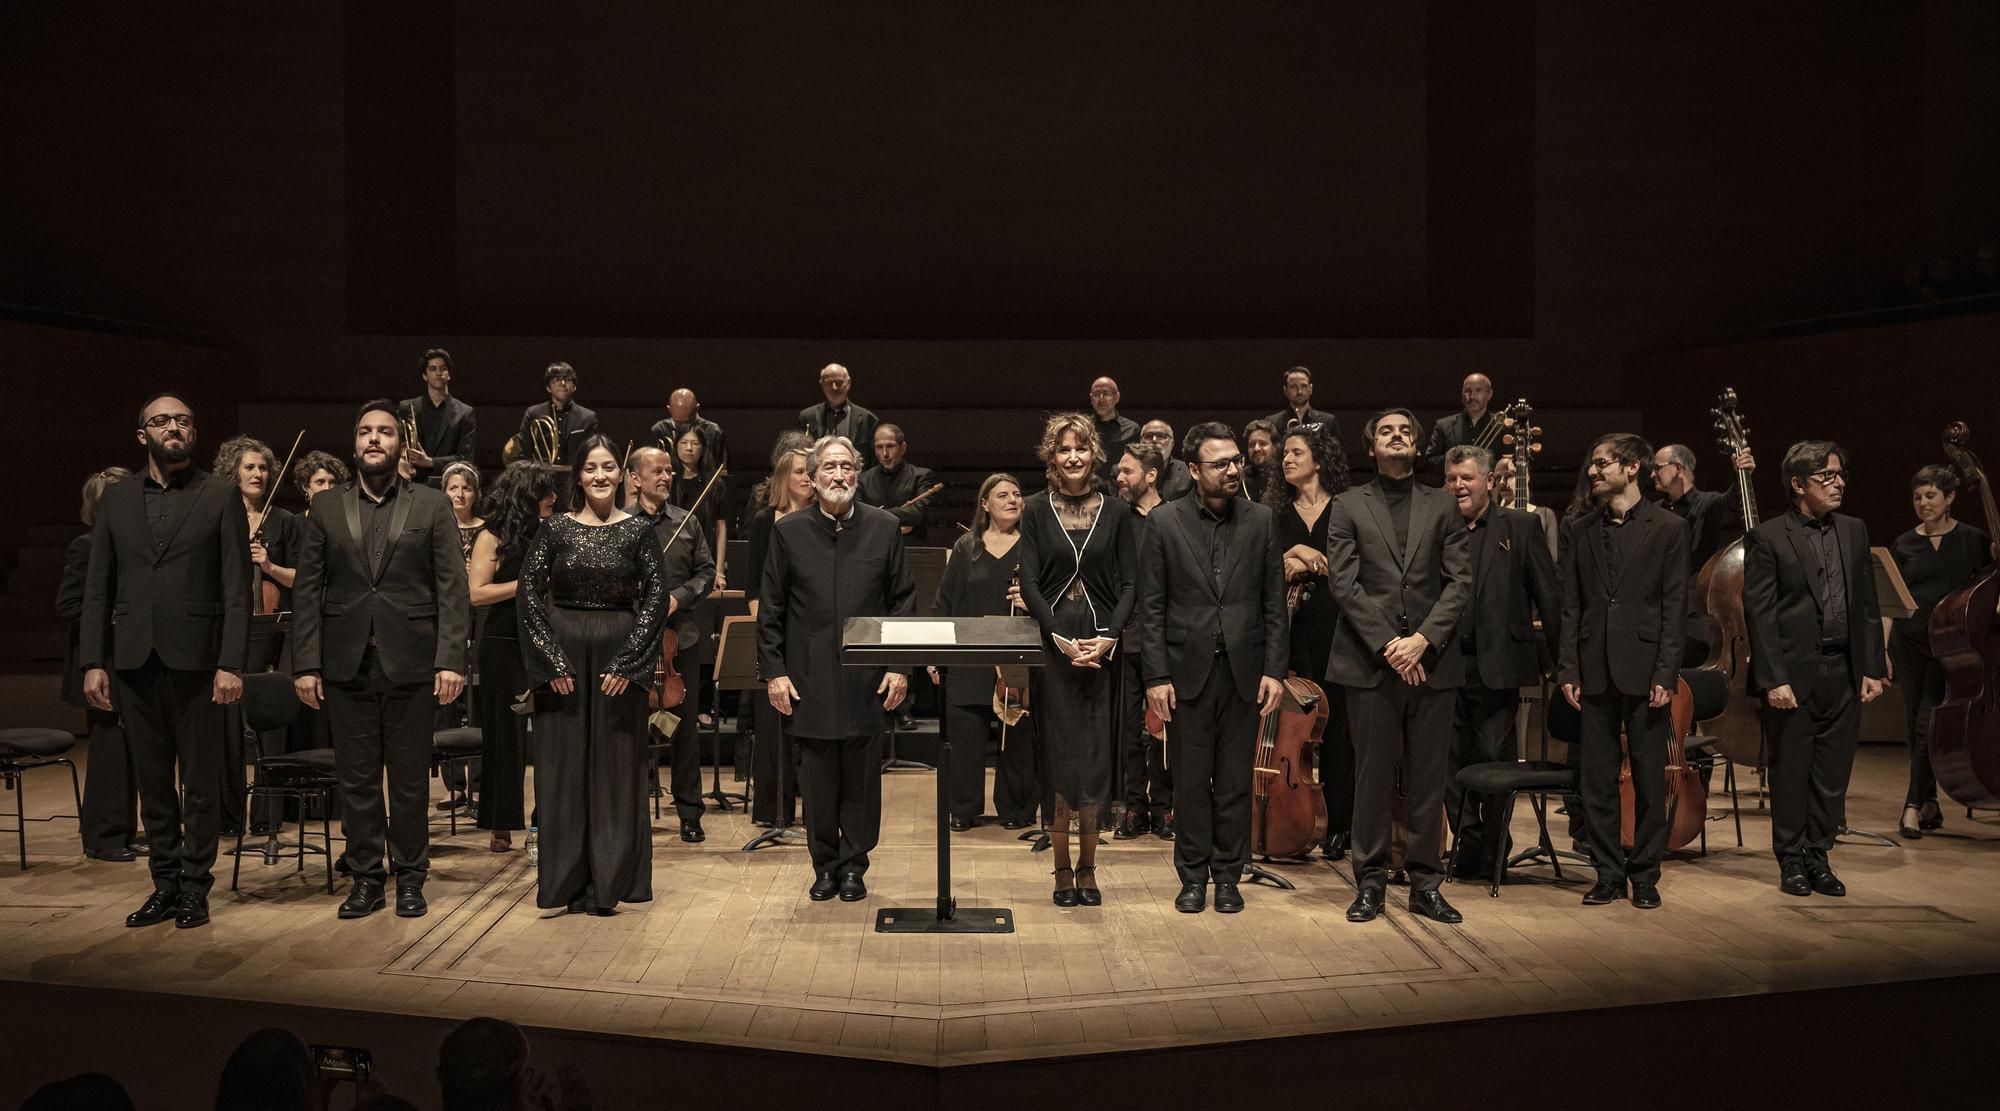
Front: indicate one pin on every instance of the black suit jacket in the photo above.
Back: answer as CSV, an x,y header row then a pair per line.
x,y
1384,591
582,425
688,569
1283,418
1451,431
69,610
816,576
861,425
188,602
1624,635
416,604
454,444
1179,603
1781,603
1513,579
1713,520
716,443
888,492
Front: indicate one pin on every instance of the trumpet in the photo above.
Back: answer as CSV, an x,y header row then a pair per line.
x,y
544,439
408,419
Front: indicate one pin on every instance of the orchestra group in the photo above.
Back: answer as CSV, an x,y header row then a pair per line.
x,y
1177,582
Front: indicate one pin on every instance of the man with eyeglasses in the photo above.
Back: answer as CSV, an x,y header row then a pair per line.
x,y
162,640
1212,633
837,560
1714,520
1113,431
1174,481
1815,655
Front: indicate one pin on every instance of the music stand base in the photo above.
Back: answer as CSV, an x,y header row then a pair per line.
x,y
926,920
1850,831
1254,872
782,835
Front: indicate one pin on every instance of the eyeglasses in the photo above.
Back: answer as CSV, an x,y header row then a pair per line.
x,y
169,420
1601,464
1233,463
1829,478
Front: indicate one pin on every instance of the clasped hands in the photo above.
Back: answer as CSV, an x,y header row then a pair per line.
x,y
1086,651
1405,655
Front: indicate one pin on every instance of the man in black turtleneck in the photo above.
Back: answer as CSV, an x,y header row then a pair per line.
x,y
1398,566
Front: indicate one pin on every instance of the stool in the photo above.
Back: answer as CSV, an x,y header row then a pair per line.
x,y
1509,778
23,750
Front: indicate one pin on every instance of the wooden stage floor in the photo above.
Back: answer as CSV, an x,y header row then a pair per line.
x,y
731,952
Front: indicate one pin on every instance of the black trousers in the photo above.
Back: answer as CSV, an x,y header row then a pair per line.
x,y
232,786
110,818
770,744
1482,733
378,726
1812,754
841,781
1401,734
684,752
1016,789
1646,732
172,721
1145,775
1336,762
590,774
1922,678
1211,744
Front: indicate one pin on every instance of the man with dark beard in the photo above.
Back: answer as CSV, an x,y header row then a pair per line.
x,y
162,639
837,560
381,615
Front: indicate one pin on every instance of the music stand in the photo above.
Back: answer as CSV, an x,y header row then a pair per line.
x,y
1892,600
926,572
736,670
942,642
724,604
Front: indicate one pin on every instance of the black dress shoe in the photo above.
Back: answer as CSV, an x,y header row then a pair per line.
x,y
1164,828
158,907
364,899
1825,882
1793,881
1932,817
852,889
1645,896
1335,845
1087,894
1228,900
1366,905
578,905
192,912
118,855
692,834
1602,892
1065,896
455,802
824,887
1013,823
410,899
1431,905
958,824
1192,899
1134,824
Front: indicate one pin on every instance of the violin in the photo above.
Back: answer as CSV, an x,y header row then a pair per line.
x,y
1965,727
1686,797
1289,809
1718,590
669,689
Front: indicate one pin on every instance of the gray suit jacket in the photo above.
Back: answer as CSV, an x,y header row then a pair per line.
x,y
1385,591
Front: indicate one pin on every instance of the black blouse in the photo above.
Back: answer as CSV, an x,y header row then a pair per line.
x,y
1314,621
1107,561
283,532
974,585
1931,574
603,567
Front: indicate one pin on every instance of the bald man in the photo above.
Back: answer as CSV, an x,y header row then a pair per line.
x,y
1465,426
838,415
1175,481
1113,431
683,413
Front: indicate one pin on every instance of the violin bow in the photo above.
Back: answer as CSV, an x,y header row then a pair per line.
x,y
706,487
271,492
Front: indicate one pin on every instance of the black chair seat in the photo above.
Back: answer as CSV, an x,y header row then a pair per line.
x,y
461,741
307,763
35,742
1504,776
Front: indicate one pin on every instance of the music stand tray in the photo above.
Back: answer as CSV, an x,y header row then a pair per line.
x,y
942,642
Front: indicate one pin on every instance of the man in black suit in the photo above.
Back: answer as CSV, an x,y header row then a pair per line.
x,y
1513,581
444,425
1113,431
380,617
1399,567
683,413
893,481
161,640
1625,581
1212,634
1299,407
551,430
1466,425
1714,521
838,415
689,571
1815,656
837,560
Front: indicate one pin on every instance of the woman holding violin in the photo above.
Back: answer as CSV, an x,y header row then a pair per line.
x,y
1314,470
523,494
983,564
1942,554
274,532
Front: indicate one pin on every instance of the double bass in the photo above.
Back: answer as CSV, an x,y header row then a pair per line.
x,y
1965,638
1288,815
1686,797
1718,590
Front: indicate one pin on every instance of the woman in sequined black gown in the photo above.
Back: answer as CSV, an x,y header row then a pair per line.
x,y
601,622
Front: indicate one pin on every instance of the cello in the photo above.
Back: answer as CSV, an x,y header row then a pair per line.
x,y
1289,809
1965,727
1718,590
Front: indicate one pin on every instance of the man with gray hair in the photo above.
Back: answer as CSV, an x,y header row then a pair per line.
x,y
837,560
1715,521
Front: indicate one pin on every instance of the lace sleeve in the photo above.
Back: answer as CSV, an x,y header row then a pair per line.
x,y
540,654
640,657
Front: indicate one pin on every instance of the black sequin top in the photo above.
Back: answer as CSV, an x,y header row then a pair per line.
x,y
595,567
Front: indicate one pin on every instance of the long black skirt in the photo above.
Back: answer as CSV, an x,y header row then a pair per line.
x,y
503,749
590,774
1076,712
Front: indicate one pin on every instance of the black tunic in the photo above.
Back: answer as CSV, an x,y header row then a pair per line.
x,y
1932,574
1313,622
974,585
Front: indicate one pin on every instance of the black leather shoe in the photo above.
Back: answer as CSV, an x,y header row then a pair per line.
x,y
958,824
824,887
364,899
1793,881
1601,893
192,912
1335,845
1087,894
455,802
1013,823
120,855
692,834
1366,905
852,889
1431,905
1228,900
410,899
1134,824
1192,899
158,907
1065,896
1932,816
1164,828
1825,882
1645,896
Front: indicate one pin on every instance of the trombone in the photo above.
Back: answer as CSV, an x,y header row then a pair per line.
x,y
544,439
408,418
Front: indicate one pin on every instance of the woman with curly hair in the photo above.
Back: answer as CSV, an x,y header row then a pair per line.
x,y
523,494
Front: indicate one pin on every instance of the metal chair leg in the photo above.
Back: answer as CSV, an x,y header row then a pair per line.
x,y
1505,824
1457,824
20,783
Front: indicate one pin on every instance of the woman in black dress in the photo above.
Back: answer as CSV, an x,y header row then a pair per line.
x,y
594,642
523,494
788,490
983,564
1079,561
1314,470
1940,555
109,821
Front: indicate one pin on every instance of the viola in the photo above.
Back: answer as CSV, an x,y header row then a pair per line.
x,y
1965,727
1686,797
1718,590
